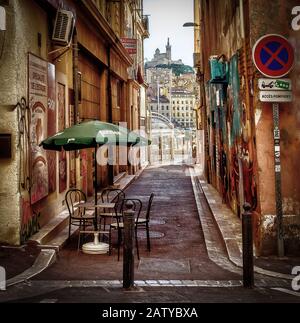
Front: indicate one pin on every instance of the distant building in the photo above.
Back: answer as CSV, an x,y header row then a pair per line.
x,y
172,89
159,78
162,106
163,58
183,105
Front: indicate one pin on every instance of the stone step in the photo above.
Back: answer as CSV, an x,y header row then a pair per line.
x,y
119,177
59,241
49,231
126,181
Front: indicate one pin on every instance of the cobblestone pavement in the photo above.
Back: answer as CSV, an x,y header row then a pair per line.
x,y
82,292
178,270
178,250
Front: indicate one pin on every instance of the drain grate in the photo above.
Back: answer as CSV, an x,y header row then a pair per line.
x,y
165,265
157,222
153,235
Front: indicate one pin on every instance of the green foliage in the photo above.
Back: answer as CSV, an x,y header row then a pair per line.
x,y
178,69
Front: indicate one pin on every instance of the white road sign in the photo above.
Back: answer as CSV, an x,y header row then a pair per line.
x,y
275,96
275,85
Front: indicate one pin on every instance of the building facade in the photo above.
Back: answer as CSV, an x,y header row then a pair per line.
x,y
239,130
183,106
89,73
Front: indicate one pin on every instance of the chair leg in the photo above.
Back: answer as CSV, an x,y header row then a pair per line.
x,y
109,242
119,242
137,244
78,246
69,229
148,237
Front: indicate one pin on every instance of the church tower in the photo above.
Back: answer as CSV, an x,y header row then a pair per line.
x,y
169,51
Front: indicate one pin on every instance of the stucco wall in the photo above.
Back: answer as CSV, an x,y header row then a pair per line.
x,y
24,20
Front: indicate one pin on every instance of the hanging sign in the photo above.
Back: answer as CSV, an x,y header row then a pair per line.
x,y
130,44
273,56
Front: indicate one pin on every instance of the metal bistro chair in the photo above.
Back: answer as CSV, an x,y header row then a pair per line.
x,y
145,221
78,216
119,225
116,196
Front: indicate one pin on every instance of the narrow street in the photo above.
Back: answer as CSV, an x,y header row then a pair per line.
x,y
177,266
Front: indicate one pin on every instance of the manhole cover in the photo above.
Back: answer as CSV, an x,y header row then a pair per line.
x,y
165,265
157,222
153,235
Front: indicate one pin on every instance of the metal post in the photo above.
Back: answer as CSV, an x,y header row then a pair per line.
x,y
278,193
128,251
248,265
96,189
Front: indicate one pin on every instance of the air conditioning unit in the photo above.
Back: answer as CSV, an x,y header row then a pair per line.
x,y
63,27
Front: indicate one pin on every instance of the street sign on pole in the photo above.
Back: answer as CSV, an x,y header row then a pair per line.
x,y
275,85
275,96
273,56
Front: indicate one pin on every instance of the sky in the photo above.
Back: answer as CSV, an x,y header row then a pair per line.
x,y
166,20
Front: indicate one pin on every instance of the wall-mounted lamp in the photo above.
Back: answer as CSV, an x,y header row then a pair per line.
x,y
190,24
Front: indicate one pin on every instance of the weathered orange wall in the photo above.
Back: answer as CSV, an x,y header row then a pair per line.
x,y
269,18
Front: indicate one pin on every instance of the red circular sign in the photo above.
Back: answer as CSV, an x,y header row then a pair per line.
x,y
273,56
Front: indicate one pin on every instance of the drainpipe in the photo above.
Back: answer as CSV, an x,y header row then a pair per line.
x,y
206,168
110,117
75,76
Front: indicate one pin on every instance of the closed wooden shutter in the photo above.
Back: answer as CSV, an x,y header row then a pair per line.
x,y
90,89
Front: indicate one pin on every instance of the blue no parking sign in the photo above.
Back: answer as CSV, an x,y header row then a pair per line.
x,y
273,56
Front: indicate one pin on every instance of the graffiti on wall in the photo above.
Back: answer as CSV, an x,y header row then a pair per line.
x,y
30,221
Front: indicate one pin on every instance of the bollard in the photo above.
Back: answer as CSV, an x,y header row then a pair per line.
x,y
128,249
248,265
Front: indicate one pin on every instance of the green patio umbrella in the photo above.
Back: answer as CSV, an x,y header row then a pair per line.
x,y
92,134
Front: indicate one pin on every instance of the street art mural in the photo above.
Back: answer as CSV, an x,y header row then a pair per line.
x,y
38,96
30,221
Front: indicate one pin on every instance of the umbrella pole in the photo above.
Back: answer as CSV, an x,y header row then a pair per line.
x,y
96,192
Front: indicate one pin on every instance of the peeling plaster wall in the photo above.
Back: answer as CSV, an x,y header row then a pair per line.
x,y
262,22
223,30
24,21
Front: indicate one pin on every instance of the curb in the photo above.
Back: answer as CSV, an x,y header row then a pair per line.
x,y
231,243
46,258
